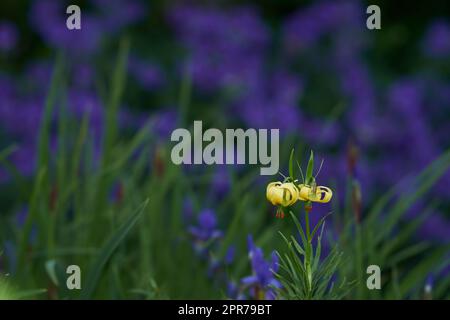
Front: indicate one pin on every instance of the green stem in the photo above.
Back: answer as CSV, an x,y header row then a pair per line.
x,y
308,232
308,254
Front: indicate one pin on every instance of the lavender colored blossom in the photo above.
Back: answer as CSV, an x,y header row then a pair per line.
x,y
206,228
148,75
164,122
221,56
83,76
21,118
48,18
9,36
307,26
272,102
24,159
82,103
436,227
216,266
406,97
38,76
437,40
116,15
230,255
221,182
188,210
262,281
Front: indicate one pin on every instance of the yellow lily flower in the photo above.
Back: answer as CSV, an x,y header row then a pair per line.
x,y
319,194
286,194
282,194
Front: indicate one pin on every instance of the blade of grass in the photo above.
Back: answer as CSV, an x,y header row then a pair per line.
x,y
107,251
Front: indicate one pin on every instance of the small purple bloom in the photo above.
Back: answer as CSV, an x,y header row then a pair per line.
x,y
437,40
116,15
206,228
263,277
148,75
230,254
221,182
164,123
48,18
188,209
8,36
307,26
224,47
271,102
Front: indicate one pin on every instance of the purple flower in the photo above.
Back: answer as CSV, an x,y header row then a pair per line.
x,y
224,47
221,182
206,228
82,103
48,18
262,281
83,76
164,122
38,75
436,227
188,209
216,266
308,25
437,40
8,36
147,74
407,99
230,254
118,14
271,102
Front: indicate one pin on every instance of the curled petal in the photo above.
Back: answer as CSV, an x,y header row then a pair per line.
x,y
282,194
319,194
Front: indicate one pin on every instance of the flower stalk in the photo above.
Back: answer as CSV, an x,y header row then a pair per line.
x,y
304,275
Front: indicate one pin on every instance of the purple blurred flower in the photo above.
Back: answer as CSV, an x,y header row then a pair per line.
x,y
437,40
221,182
224,46
118,14
216,266
83,76
188,209
271,102
263,279
21,118
48,18
82,103
407,99
308,25
436,227
206,228
229,256
165,121
24,159
8,36
38,75
147,74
